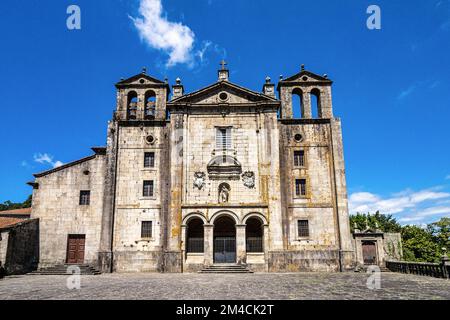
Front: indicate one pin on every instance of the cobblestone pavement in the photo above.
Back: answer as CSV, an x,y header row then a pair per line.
x,y
226,287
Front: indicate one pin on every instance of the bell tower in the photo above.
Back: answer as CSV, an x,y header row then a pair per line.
x,y
306,84
142,98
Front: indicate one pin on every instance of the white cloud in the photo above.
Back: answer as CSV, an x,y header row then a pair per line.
x,y
201,53
45,158
422,214
405,93
419,85
174,38
409,206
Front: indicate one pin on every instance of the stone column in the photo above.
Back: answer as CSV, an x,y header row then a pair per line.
x,y
140,106
183,243
266,246
209,244
241,251
306,106
445,263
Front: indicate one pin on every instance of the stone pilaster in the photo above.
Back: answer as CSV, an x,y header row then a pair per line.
x,y
341,200
105,256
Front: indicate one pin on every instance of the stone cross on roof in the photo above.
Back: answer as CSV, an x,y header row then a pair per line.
x,y
223,63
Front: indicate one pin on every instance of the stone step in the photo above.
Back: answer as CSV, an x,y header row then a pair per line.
x,y
226,269
62,270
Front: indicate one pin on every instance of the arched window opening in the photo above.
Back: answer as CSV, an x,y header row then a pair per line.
x,y
254,235
315,103
195,236
297,103
150,105
132,105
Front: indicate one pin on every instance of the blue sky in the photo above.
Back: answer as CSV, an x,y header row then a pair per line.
x,y
392,86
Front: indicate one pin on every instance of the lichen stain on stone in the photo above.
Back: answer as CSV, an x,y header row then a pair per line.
x,y
175,232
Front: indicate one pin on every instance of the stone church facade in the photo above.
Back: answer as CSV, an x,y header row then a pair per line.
x,y
222,175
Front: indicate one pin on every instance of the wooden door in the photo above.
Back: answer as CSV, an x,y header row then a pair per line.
x,y
75,248
369,253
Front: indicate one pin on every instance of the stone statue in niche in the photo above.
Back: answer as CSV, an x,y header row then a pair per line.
x,y
199,180
224,193
249,179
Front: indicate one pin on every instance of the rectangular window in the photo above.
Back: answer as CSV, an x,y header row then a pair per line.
x,y
85,198
223,138
303,228
146,229
148,188
300,187
299,158
149,160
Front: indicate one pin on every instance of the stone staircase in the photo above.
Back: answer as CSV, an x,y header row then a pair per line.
x,y
226,268
363,269
62,270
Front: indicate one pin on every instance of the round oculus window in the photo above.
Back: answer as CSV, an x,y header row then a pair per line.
x,y
223,96
298,137
150,139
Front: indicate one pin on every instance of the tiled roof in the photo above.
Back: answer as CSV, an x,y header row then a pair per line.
x,y
9,222
20,212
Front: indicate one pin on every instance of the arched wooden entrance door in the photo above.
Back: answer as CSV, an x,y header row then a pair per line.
x,y
224,240
369,252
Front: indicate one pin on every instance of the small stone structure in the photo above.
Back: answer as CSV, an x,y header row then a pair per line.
x,y
221,175
374,247
19,247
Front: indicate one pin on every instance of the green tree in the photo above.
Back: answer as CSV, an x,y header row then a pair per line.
x,y
386,223
8,205
420,245
441,232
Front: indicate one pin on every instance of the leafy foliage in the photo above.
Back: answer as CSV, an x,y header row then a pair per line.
x,y
386,223
419,245
8,205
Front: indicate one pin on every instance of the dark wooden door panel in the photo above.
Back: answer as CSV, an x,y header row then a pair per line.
x,y
75,249
369,253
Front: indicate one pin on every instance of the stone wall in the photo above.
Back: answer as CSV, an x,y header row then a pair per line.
x,y
56,203
4,237
22,252
317,206
304,261
131,251
393,246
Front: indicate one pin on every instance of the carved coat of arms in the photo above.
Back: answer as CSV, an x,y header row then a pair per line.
x,y
249,179
199,180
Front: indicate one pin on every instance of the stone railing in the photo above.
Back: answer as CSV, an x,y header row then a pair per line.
x,y
437,270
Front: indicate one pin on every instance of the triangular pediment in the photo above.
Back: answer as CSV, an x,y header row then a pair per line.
x,y
140,80
223,92
306,76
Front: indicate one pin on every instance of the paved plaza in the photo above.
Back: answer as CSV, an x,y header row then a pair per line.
x,y
307,286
